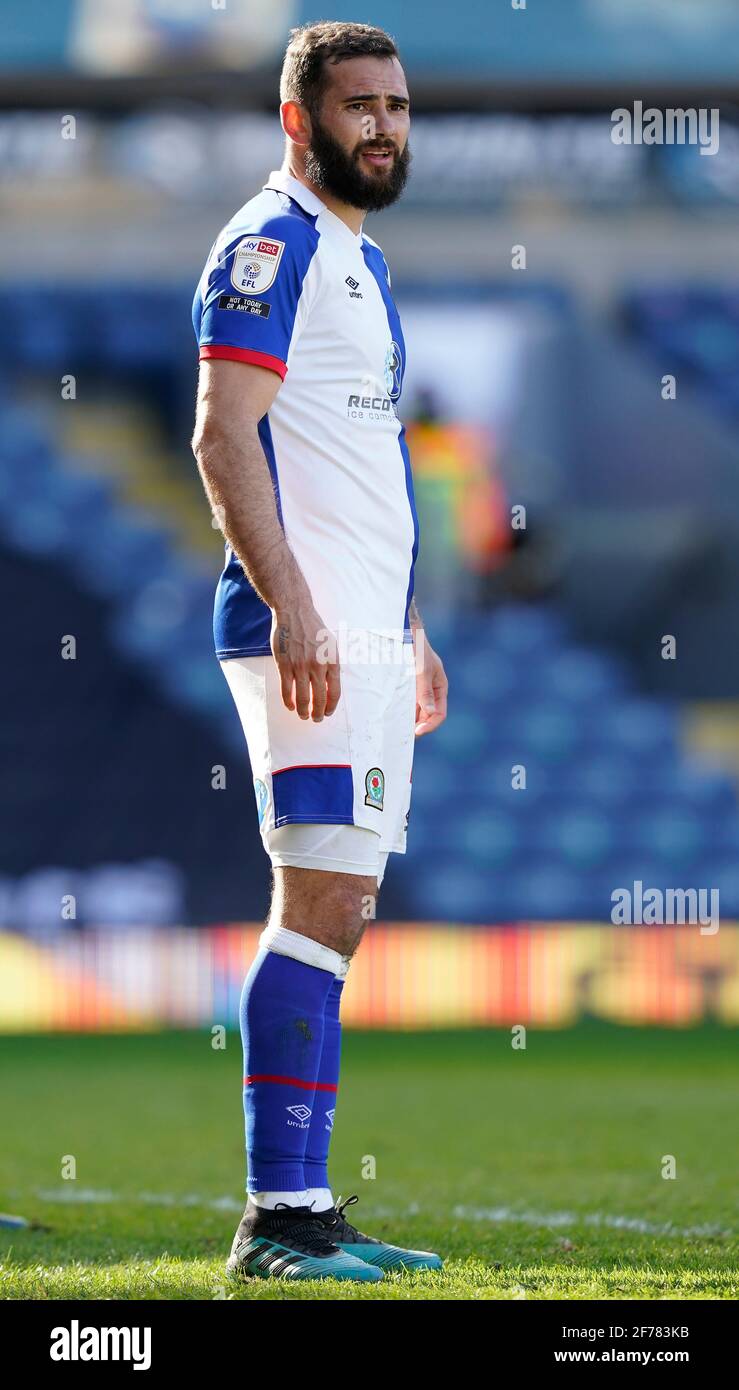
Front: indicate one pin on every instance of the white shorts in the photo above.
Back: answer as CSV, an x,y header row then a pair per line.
x,y
338,849
352,769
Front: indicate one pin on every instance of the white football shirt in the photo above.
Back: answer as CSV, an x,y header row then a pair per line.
x,y
290,287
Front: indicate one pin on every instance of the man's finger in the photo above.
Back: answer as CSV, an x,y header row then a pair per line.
x,y
427,723
440,698
425,696
318,686
286,685
333,687
302,693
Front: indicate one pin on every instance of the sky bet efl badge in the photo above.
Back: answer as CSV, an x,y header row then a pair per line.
x,y
255,263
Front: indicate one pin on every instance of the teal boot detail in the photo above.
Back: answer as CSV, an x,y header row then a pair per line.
x,y
376,1252
291,1243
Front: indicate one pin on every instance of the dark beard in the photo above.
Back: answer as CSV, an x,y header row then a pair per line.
x,y
329,167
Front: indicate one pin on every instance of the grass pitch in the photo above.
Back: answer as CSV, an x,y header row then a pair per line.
x,y
536,1173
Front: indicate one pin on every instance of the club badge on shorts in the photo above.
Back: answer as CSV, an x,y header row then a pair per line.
x,y
374,785
262,795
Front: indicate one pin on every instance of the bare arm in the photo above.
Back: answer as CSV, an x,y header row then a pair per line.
x,y
232,399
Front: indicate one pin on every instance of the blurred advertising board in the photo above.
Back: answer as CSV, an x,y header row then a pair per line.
x,y
410,975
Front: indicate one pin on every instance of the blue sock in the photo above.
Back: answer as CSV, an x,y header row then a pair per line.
x,y
322,1119
282,1008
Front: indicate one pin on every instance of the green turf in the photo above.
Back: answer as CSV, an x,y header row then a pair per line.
x,y
458,1124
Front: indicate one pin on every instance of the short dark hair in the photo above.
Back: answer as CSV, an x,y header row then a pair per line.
x,y
312,46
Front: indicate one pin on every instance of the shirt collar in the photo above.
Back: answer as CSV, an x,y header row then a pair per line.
x,y
286,183
308,200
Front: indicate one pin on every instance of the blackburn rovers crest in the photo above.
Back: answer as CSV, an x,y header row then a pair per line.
x,y
374,784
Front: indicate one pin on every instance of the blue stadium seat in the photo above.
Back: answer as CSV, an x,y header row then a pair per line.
x,y
605,780
525,631
437,786
678,835
549,729
706,791
195,682
724,876
638,726
138,327
444,891
489,839
549,891
484,676
581,677
122,554
578,835
43,327
463,741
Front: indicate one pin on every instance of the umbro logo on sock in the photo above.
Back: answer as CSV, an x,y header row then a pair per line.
x,y
330,1117
301,1113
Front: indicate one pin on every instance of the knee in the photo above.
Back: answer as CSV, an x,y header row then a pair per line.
x,y
343,894
341,912
330,907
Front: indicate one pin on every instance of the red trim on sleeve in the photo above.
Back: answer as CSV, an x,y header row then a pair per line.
x,y
235,354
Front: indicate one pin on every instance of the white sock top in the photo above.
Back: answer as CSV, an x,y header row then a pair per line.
x,y
270,1200
302,948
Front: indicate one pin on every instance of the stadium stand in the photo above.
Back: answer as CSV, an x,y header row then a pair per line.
x,y
697,329
609,795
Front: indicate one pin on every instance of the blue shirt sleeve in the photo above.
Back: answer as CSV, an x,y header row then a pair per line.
x,y
247,304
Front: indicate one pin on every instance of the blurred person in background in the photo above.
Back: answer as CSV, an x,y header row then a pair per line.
x,y
462,505
305,465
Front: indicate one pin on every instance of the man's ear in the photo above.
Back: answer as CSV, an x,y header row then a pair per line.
x,y
295,122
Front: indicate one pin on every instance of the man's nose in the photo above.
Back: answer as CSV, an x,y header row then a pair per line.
x,y
385,124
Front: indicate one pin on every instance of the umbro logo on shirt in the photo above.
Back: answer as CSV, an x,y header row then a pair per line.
x,y
353,288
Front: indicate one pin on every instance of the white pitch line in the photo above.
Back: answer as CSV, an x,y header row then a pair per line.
x,y
97,1196
495,1215
499,1215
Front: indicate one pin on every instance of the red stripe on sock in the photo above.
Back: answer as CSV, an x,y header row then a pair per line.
x,y
292,1081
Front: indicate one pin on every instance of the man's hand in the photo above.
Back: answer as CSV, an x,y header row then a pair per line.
x,y
431,685
307,660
